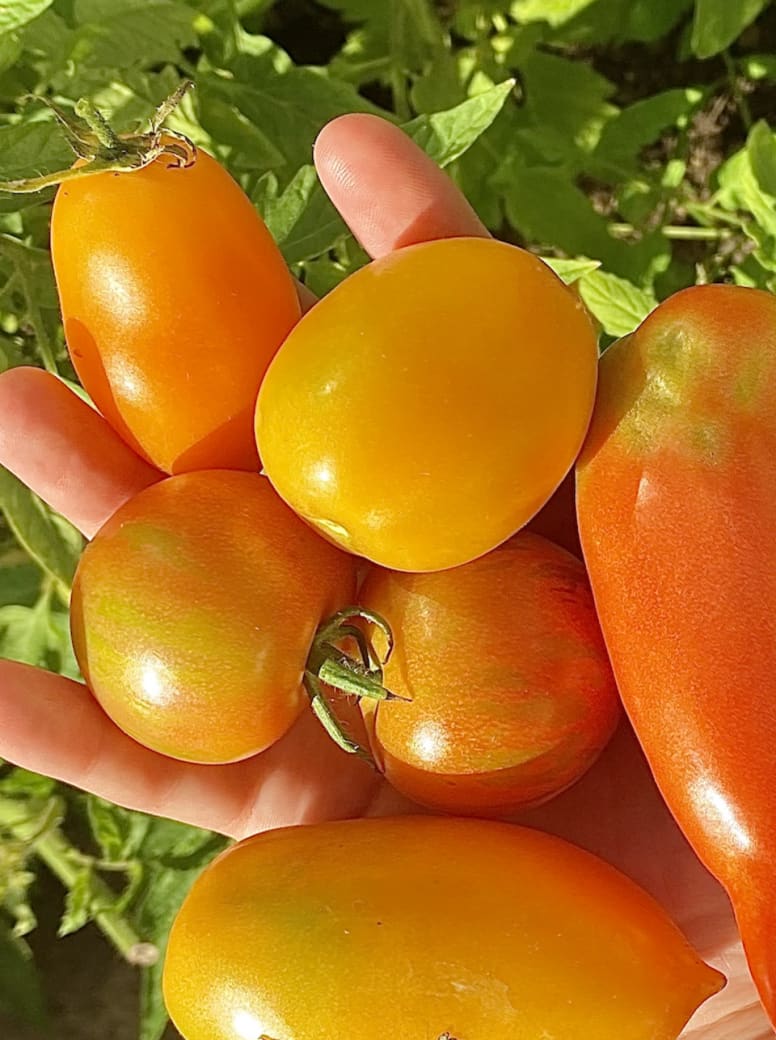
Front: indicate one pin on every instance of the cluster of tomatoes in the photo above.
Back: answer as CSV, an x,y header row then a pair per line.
x,y
409,427
207,614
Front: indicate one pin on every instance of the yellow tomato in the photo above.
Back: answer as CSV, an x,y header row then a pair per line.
x,y
428,407
418,928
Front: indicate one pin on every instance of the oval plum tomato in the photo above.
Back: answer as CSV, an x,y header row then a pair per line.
x,y
194,610
420,928
427,408
174,298
511,695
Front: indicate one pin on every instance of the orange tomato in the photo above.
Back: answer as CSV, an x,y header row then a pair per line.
x,y
428,407
423,928
174,298
194,610
511,695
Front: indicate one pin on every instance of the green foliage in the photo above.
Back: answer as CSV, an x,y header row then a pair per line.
x,y
624,141
717,23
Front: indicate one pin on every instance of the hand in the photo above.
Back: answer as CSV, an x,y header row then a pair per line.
x,y
391,195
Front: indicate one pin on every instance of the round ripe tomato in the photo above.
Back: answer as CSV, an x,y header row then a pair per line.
x,y
194,609
428,407
511,696
423,928
174,298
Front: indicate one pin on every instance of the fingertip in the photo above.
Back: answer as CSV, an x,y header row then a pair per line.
x,y
386,187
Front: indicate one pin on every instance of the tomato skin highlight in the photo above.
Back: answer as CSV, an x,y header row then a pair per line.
x,y
174,299
676,492
511,695
426,409
424,926
193,611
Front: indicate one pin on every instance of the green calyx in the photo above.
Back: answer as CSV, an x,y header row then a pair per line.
x,y
331,667
99,147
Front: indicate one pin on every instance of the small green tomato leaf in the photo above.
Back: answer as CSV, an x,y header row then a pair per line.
x,y
445,136
619,305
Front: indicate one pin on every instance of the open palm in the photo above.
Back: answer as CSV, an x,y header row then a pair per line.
x,y
391,195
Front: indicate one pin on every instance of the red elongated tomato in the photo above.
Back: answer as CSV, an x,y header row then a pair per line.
x,y
428,407
425,928
194,609
511,695
676,495
174,299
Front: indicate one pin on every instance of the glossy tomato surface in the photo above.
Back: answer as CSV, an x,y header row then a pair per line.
x,y
422,928
676,495
174,299
194,609
427,408
511,695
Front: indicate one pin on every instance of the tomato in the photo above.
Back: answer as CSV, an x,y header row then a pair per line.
x,y
417,927
511,695
677,512
194,609
557,520
174,298
427,408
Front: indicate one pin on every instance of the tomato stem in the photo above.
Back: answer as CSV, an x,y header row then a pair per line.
x,y
99,125
100,148
330,666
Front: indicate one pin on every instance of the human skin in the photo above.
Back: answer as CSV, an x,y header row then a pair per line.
x,y
391,195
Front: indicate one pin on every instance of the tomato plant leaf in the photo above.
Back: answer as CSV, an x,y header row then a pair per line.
x,y
19,581
174,856
21,782
567,99
38,635
445,136
571,271
619,20
16,13
29,283
717,23
78,902
54,544
30,148
119,832
741,193
392,42
128,32
758,66
24,632
555,12
761,146
287,107
640,124
301,218
616,303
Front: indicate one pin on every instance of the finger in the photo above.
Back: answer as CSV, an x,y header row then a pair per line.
x,y
54,726
388,191
65,451
307,297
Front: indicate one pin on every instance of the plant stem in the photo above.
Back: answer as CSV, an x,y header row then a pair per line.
x,y
55,851
678,231
66,862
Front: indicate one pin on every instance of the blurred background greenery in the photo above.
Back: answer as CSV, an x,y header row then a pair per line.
x,y
626,141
